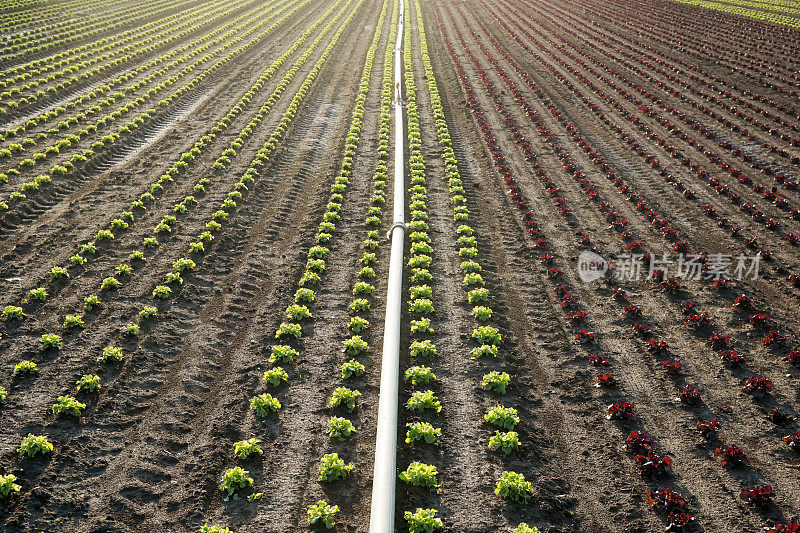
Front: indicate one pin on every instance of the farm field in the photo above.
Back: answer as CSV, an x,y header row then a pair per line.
x,y
601,282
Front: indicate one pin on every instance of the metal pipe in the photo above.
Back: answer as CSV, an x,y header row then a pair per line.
x,y
384,477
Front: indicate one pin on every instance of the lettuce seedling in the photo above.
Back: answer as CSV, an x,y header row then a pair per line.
x,y
504,417
496,381
420,475
24,367
68,405
512,485
340,427
34,444
7,485
322,513
276,376
51,341
423,521
352,368
344,396
12,312
264,404
88,383
234,479
421,400
419,375
333,468
244,448
110,355
505,442
423,431
73,321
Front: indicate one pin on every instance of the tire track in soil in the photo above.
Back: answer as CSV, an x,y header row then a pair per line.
x,y
86,281
311,161
179,379
55,194
638,381
104,322
547,360
248,291
647,180
214,96
286,211
303,437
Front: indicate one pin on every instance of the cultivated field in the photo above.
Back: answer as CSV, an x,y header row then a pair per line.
x,y
602,264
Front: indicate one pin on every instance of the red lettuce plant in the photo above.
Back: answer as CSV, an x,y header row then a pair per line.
x,y
731,455
598,360
620,410
792,527
793,441
760,496
754,385
708,428
652,464
638,441
689,395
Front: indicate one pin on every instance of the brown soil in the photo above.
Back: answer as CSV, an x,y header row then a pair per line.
x,y
152,444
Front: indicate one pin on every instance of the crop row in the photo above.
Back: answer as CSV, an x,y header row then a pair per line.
x,y
167,224
16,134
112,355
732,47
343,399
771,332
687,394
289,333
620,410
746,10
727,102
23,13
235,479
150,199
583,336
651,160
422,399
41,85
684,70
97,59
69,169
38,42
674,130
173,33
666,32
510,485
77,119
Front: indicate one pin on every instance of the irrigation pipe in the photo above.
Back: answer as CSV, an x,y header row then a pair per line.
x,y
384,478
